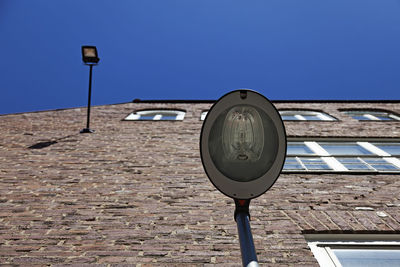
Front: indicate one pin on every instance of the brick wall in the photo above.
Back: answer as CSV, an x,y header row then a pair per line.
x,y
135,192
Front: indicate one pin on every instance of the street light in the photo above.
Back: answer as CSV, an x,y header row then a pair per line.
x,y
243,149
90,58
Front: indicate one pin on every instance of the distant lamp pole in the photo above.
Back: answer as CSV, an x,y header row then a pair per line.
x,y
243,149
90,58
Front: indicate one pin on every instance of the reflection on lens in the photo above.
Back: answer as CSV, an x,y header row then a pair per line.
x,y
243,143
243,134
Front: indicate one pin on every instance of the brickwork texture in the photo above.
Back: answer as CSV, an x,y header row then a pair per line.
x,y
134,193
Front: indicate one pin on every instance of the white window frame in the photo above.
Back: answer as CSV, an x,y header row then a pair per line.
x,y
336,165
203,115
134,116
299,115
321,244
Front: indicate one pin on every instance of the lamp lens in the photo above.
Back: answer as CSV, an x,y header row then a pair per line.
x,y
243,134
89,52
243,143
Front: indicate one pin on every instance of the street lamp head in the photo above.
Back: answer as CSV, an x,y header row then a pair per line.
x,y
89,54
243,144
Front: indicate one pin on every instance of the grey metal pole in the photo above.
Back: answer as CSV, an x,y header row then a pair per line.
x,y
87,129
90,96
249,256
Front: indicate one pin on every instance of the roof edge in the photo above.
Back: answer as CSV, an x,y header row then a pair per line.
x,y
194,101
137,100
274,101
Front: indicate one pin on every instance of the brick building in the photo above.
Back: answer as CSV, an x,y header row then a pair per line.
x,y
135,192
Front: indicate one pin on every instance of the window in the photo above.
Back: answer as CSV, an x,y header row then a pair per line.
x,y
203,115
391,148
355,250
304,115
377,164
369,115
298,148
342,156
164,115
306,164
350,148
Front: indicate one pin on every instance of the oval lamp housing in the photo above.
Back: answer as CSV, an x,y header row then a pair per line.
x,y
243,144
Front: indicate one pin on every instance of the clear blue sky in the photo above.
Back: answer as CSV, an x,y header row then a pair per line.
x,y
196,49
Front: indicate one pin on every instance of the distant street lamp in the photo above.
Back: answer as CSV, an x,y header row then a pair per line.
x,y
90,58
243,149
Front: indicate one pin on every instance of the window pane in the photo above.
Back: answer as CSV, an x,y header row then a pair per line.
x,y
298,149
291,160
306,114
312,160
146,117
392,149
315,164
293,167
384,167
384,118
345,149
168,117
203,115
289,166
358,115
354,164
354,167
292,164
157,115
312,117
348,160
363,115
381,115
375,160
360,118
368,257
381,164
289,118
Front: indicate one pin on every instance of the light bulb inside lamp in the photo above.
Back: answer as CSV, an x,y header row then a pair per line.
x,y
243,143
243,134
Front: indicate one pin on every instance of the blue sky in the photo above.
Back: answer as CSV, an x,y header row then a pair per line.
x,y
192,49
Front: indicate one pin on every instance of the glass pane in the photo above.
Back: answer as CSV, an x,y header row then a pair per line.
x,y
348,160
312,160
384,118
360,118
368,257
354,164
289,118
146,117
360,166
392,149
380,115
298,149
345,149
385,167
312,117
290,160
375,160
203,115
289,166
315,164
168,117
357,115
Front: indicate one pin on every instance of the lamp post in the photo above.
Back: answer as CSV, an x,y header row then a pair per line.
x,y
90,58
243,149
